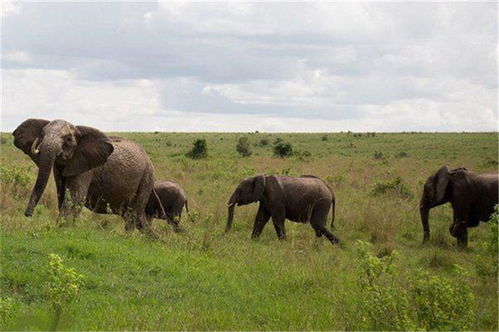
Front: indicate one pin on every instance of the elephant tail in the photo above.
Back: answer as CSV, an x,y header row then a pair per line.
x,y
333,212
186,206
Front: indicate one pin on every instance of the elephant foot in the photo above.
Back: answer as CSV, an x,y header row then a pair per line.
x,y
426,237
462,241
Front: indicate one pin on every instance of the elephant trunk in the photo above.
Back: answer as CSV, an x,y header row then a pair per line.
x,y
230,214
48,153
424,211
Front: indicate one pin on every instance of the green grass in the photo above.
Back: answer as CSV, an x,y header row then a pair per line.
x,y
203,279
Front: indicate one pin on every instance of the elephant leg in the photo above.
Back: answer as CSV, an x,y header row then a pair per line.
x,y
462,240
278,222
77,186
262,217
318,221
139,203
459,227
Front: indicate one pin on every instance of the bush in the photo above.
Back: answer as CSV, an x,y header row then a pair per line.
x,y
63,286
493,245
324,138
14,175
382,305
199,150
428,303
402,154
487,263
283,149
6,310
243,147
395,187
3,140
264,141
378,155
443,304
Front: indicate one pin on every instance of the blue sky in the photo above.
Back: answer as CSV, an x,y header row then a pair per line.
x,y
182,66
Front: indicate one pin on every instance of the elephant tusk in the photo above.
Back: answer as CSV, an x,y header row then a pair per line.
x,y
34,150
231,204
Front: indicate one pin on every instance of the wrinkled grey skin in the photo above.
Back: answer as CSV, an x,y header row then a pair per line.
x,y
301,199
473,197
172,197
105,174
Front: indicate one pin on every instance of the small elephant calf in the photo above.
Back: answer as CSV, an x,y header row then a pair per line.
x,y
172,198
300,199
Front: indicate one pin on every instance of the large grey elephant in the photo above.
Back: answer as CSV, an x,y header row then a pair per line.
x,y
300,199
473,197
172,198
105,174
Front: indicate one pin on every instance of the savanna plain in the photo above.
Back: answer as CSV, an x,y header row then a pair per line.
x,y
90,274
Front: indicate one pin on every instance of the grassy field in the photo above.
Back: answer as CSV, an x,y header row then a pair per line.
x,y
202,279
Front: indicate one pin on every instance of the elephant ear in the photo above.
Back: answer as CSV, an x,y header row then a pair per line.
x,y
92,150
27,132
442,180
259,186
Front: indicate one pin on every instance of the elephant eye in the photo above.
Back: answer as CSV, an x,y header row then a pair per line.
x,y
69,139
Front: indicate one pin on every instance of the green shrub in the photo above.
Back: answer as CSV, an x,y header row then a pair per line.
x,y
402,154
199,150
243,147
324,138
6,310
395,187
383,305
283,149
264,141
378,155
441,303
63,285
492,244
14,175
427,303
487,263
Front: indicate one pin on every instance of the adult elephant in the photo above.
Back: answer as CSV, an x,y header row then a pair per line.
x,y
300,199
105,174
473,197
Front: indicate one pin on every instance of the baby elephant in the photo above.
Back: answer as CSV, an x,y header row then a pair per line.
x,y
172,198
299,199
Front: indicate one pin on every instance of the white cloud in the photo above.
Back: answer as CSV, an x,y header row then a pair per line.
x,y
286,66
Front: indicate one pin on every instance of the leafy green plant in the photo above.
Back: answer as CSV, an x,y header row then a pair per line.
x,y
402,154
63,286
378,155
492,244
283,149
487,263
395,187
324,138
264,141
14,175
383,305
199,150
443,304
243,147
6,310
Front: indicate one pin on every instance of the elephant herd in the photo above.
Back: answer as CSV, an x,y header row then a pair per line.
x,y
109,174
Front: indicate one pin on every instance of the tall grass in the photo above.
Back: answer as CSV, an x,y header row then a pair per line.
x,y
205,279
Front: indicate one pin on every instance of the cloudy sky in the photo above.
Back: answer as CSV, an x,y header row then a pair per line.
x,y
252,66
